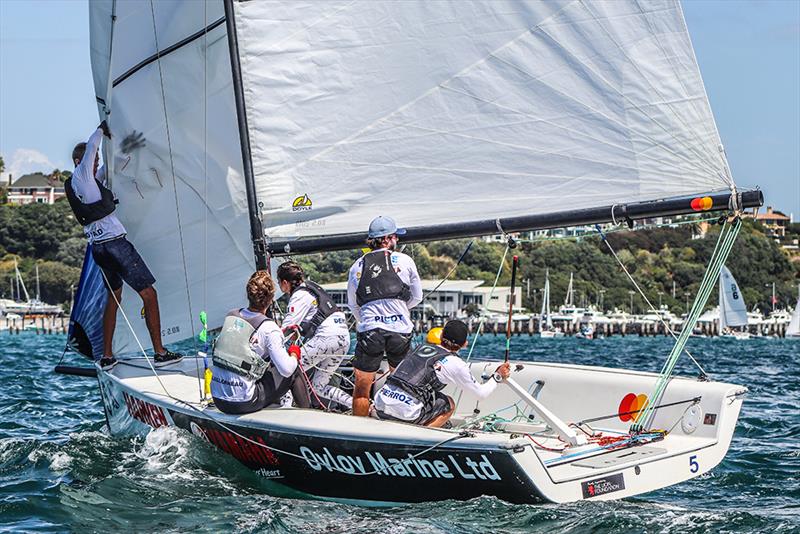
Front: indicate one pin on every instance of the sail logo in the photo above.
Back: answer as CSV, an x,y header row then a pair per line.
x,y
302,203
631,407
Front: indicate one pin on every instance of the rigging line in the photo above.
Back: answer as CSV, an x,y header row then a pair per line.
x,y
175,191
722,249
688,145
135,337
443,280
652,307
479,329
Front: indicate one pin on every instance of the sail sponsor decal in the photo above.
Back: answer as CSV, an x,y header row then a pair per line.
x,y
302,203
146,412
632,406
409,466
601,486
252,451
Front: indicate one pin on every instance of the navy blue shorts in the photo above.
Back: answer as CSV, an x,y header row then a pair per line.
x,y
121,262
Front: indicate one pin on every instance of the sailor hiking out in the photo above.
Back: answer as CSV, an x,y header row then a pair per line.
x,y
94,204
413,393
312,317
383,285
251,367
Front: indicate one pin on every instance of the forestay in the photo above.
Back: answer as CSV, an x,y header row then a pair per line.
x,y
459,111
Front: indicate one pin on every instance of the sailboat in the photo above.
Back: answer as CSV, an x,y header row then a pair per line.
x,y
547,330
24,304
732,309
793,328
282,128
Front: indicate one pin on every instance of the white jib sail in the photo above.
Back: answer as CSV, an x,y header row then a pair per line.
x,y
732,310
182,194
454,111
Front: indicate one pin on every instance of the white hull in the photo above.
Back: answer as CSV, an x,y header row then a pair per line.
x,y
366,460
549,334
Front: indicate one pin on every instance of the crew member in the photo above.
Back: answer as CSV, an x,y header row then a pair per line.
x,y
382,287
93,205
313,316
413,393
251,368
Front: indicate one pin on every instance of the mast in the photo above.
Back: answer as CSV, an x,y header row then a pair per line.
x,y
256,227
600,215
37,282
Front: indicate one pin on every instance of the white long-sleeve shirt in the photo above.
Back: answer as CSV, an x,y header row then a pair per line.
x,y
266,341
389,314
450,370
302,305
85,188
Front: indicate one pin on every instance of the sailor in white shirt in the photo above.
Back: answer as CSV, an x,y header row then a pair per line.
x,y
413,393
316,320
249,336
382,287
93,205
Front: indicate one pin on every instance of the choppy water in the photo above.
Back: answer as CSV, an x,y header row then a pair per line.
x,y
60,470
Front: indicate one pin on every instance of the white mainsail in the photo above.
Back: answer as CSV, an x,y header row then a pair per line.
x,y
454,111
732,309
793,329
430,111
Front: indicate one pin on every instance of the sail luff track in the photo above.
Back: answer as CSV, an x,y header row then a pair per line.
x,y
605,214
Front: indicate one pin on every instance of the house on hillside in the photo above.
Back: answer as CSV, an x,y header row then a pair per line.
x,y
775,222
34,187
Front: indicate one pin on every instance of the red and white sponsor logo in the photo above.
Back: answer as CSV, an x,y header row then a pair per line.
x,y
147,413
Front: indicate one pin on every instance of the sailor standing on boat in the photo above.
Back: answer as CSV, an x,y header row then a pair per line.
x,y
382,287
313,315
251,368
413,393
93,205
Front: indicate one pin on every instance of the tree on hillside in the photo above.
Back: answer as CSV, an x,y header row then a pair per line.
x,y
37,230
3,186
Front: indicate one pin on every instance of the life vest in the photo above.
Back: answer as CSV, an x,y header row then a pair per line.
x,y
379,280
94,211
325,308
232,350
416,373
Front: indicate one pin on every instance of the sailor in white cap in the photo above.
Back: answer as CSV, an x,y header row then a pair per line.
x,y
382,287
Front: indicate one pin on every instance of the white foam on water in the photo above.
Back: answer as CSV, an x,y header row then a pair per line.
x,y
60,461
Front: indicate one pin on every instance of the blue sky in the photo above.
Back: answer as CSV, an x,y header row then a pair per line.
x,y
749,53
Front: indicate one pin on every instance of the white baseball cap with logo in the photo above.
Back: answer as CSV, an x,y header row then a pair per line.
x,y
382,226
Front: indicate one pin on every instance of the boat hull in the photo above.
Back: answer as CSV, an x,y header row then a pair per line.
x,y
379,462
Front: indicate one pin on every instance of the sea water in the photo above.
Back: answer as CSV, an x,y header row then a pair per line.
x,y
60,470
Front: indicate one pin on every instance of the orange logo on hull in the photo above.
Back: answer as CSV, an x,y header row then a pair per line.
x,y
631,407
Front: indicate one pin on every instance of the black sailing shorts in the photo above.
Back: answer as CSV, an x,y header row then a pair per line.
x,y
120,261
372,344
